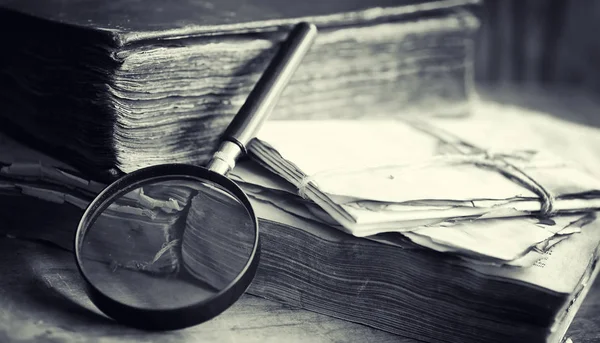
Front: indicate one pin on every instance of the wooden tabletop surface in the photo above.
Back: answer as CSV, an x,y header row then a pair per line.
x,y
42,297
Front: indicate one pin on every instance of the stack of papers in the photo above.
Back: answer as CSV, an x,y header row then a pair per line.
x,y
412,177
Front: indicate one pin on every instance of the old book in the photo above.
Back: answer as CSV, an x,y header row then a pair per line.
x,y
397,288
386,282
116,87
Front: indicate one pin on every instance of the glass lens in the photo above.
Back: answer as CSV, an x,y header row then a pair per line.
x,y
167,243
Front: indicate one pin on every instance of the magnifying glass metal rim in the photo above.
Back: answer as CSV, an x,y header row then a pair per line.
x,y
181,317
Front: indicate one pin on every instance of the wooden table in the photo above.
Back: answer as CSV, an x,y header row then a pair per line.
x,y
42,297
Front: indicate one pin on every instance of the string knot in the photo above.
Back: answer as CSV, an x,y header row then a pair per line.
x,y
500,162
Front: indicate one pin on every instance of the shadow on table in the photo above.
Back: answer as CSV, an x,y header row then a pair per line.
x,y
41,291
41,282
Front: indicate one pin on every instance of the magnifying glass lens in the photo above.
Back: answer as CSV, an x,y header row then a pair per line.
x,y
170,246
167,244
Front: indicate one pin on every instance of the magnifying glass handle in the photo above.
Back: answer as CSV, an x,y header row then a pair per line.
x,y
263,97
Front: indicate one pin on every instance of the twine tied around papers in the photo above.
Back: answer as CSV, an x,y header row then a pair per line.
x,y
466,153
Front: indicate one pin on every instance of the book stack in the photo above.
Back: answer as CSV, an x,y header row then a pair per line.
x,y
93,90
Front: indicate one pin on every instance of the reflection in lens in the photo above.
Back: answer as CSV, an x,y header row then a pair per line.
x,y
167,244
218,237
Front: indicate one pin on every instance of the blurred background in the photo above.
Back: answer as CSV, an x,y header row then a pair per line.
x,y
540,42
541,54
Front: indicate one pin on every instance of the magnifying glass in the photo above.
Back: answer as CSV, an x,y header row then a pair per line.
x,y
171,246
